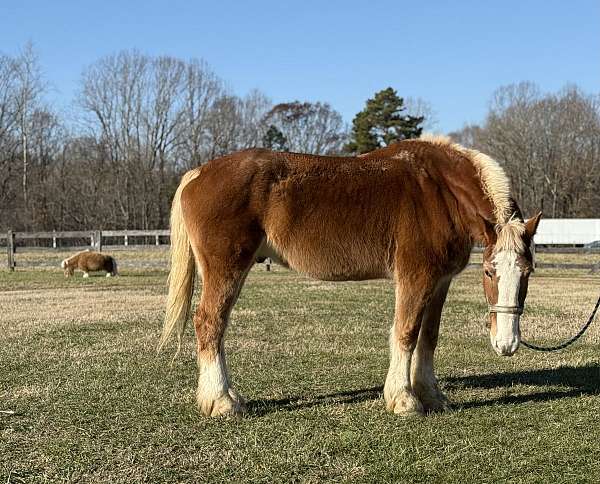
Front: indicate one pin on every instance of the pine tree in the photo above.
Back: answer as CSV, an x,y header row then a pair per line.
x,y
274,139
382,122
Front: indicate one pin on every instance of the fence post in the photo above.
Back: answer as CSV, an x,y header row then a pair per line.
x,y
125,240
98,240
157,241
268,263
10,249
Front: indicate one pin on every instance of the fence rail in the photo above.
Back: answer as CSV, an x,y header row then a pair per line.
x,y
88,233
11,239
97,239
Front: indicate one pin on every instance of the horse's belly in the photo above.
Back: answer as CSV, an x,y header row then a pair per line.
x,y
329,259
329,231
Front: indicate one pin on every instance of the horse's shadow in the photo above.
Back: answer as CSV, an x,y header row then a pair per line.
x,y
266,406
573,380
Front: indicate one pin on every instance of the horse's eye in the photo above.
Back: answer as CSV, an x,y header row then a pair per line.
x,y
488,273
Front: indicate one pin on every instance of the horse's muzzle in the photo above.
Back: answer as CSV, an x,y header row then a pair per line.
x,y
504,349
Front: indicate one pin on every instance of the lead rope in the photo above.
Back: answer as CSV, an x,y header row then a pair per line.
x,y
569,341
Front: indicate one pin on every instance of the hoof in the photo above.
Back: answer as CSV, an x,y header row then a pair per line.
x,y
222,406
236,397
404,403
436,405
432,398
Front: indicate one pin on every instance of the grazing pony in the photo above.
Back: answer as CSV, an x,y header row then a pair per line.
x,y
411,212
88,261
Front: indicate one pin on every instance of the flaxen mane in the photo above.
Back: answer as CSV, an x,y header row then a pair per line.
x,y
510,226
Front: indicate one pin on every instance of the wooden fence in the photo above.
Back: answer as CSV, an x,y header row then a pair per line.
x,y
96,238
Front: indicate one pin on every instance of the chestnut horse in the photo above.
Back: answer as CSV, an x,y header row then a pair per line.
x,y
88,261
411,212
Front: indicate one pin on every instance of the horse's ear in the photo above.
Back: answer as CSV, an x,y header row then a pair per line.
x,y
532,224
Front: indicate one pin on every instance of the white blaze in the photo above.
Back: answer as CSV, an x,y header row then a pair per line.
x,y
509,280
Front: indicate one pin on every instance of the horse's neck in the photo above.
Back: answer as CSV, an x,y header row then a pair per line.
x,y
474,210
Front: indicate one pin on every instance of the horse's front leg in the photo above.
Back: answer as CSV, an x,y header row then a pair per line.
x,y
424,382
412,295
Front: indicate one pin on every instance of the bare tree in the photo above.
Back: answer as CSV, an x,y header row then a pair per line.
x,y
21,88
236,123
9,119
112,96
253,109
419,108
308,127
549,145
200,90
469,135
153,117
142,120
47,137
29,90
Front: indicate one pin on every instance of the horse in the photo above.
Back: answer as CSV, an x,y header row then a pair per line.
x,y
411,212
88,261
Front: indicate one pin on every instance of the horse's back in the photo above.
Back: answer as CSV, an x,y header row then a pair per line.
x,y
331,218
88,260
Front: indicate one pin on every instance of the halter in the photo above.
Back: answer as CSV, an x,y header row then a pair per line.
x,y
494,308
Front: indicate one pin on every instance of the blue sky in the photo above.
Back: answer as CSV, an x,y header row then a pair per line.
x,y
452,54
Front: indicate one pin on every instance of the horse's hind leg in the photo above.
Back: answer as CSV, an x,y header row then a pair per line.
x,y
424,382
223,277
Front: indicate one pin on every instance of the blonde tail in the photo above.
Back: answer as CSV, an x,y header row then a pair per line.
x,y
181,276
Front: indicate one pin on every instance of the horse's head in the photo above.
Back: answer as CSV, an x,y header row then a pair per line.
x,y
67,268
507,264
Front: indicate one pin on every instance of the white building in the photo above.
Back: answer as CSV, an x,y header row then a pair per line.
x,y
572,231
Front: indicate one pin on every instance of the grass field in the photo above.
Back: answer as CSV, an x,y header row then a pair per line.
x,y
85,398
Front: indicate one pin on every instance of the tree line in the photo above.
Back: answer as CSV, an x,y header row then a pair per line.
x,y
138,122
548,144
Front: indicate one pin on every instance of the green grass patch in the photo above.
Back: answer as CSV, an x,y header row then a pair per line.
x,y
85,398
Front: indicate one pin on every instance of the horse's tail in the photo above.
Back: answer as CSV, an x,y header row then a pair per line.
x,y
181,276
